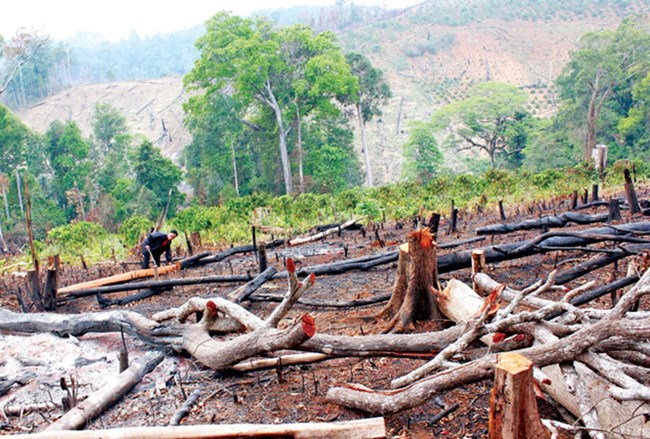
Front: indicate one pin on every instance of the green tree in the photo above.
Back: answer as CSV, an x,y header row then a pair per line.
x,y
270,70
423,158
331,163
67,154
374,92
13,137
599,78
109,129
634,128
489,121
548,146
219,151
158,175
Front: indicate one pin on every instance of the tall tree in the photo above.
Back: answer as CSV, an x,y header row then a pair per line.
x,y
489,121
16,52
158,175
13,136
67,153
218,146
374,92
634,128
600,73
423,158
256,61
109,128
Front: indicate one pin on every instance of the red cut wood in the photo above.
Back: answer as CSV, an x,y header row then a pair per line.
x,y
417,304
513,409
118,278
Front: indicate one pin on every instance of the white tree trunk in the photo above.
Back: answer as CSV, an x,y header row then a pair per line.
x,y
366,153
234,167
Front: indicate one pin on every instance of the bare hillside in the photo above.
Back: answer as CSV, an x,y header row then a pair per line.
x,y
427,66
152,108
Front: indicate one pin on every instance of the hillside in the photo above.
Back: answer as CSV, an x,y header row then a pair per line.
x,y
429,61
152,108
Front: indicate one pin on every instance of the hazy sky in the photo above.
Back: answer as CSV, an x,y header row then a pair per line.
x,y
116,18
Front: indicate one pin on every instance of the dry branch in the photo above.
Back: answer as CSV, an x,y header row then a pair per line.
x,y
110,393
588,336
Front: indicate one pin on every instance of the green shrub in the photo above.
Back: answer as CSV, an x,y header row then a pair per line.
x,y
133,229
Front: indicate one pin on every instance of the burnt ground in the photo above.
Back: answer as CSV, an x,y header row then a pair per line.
x,y
296,393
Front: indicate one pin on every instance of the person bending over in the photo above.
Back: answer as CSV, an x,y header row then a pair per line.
x,y
155,245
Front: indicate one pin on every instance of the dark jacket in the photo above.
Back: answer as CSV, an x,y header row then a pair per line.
x,y
158,243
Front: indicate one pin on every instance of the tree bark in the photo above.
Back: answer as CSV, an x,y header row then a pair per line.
x,y
321,235
372,428
418,303
630,193
552,221
108,395
118,278
513,409
400,286
614,211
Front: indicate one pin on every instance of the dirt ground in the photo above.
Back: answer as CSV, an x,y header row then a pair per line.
x,y
295,393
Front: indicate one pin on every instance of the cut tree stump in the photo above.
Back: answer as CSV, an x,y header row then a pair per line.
x,y
630,193
513,409
417,271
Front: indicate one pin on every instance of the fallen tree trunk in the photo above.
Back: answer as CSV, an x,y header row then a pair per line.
x,y
546,222
369,262
321,235
264,297
193,260
153,284
110,393
118,278
235,250
150,292
504,252
249,288
169,335
372,428
542,244
565,349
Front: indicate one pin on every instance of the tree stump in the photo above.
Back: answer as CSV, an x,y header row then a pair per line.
x,y
614,210
630,193
513,409
417,271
